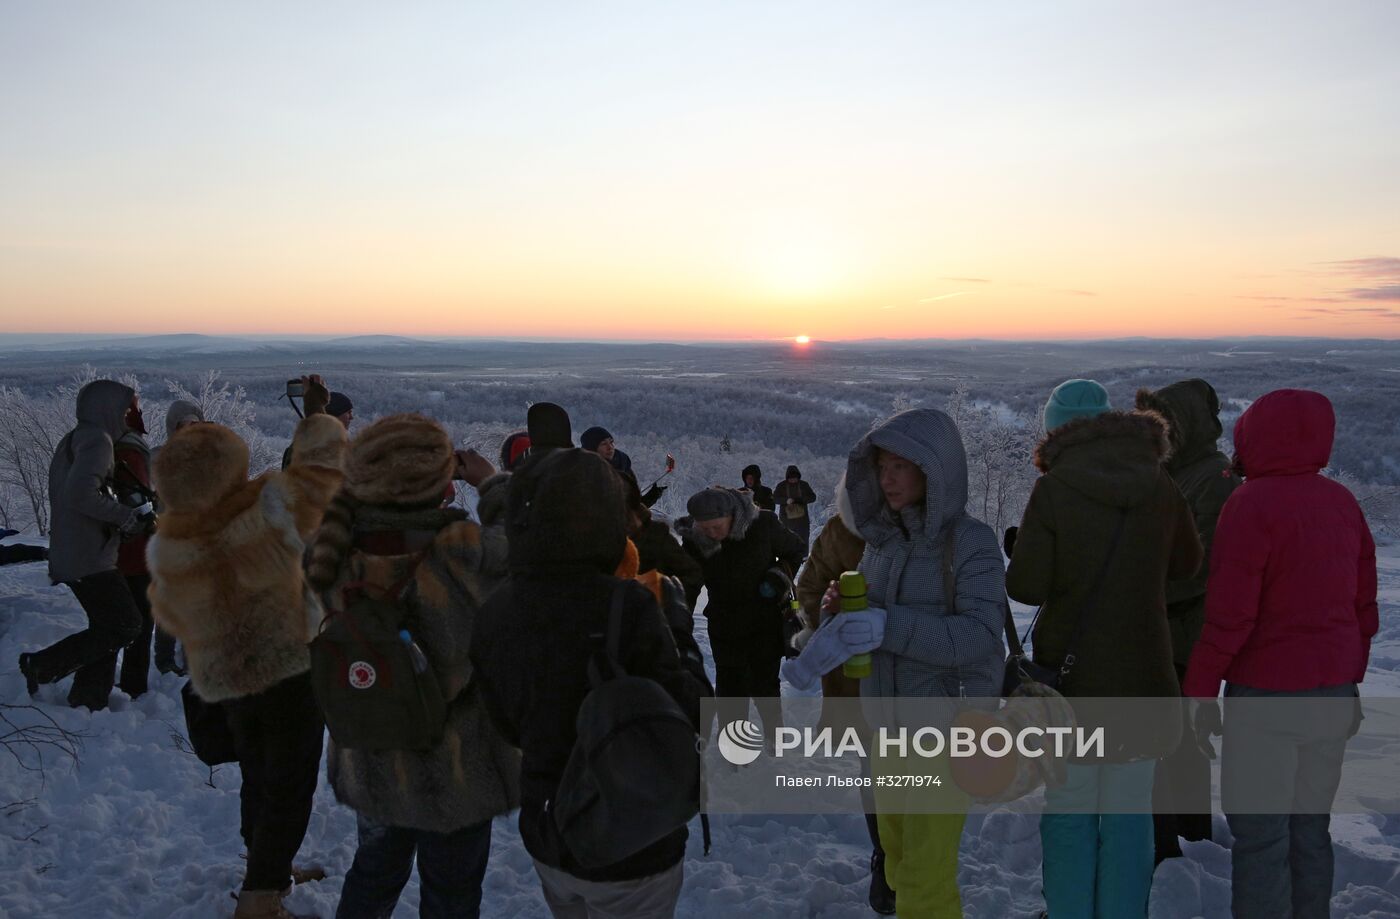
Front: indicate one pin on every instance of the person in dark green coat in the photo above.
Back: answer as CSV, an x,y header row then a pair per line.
x,y
1104,494
1206,479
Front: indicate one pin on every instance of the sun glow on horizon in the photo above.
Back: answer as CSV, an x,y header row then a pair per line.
x,y
803,340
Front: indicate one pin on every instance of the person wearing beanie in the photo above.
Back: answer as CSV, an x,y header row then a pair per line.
x,y
753,483
181,415
535,637
1075,399
598,440
1104,532
549,427
435,805
735,545
227,581
1204,475
341,409
791,498
513,449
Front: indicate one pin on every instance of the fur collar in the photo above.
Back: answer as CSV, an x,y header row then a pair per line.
x,y
1146,426
745,513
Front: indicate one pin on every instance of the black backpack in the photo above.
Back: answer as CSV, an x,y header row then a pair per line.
x,y
633,776
377,690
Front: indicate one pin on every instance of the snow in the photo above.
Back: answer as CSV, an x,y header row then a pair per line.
x,y
141,829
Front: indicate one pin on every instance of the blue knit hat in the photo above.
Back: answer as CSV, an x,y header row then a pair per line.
x,y
1074,399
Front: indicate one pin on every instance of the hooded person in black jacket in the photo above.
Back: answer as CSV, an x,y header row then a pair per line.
x,y
736,545
566,525
762,494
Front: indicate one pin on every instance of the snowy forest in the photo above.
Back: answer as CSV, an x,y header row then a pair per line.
x,y
715,409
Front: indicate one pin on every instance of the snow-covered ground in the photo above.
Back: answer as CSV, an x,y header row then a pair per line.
x,y
141,829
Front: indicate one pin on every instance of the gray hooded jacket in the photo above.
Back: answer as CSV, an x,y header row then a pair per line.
x,y
86,518
931,648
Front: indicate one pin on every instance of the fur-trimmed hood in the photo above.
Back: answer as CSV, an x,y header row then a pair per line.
x,y
1191,409
844,508
1113,458
745,512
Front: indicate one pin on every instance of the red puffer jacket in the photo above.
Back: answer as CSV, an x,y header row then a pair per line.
x,y
1291,603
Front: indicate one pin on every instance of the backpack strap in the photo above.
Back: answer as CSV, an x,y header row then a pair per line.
x,y
611,639
1091,603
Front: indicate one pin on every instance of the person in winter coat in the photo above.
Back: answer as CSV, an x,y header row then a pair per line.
x,y
132,480
598,440
1191,409
1104,531
657,549
735,545
762,494
1290,613
87,525
227,581
435,805
792,497
179,416
838,549
907,481
340,408
513,449
535,636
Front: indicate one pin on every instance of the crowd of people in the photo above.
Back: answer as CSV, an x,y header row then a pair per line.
x,y
469,667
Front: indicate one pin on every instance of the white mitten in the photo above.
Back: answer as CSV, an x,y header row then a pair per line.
x,y
837,641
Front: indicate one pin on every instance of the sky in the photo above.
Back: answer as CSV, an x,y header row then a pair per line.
x,y
701,171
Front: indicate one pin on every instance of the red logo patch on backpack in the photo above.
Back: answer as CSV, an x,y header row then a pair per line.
x,y
362,675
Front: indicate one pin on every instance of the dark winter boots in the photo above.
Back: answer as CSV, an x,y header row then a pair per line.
x,y
26,667
881,896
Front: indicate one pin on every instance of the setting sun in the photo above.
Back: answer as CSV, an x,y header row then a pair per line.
x,y
803,340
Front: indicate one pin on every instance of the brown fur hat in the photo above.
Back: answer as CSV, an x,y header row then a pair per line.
x,y
198,466
400,460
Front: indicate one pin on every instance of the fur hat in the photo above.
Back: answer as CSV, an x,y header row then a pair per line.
x,y
198,466
711,504
402,460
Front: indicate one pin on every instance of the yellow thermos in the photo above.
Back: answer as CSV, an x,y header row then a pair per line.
x,y
852,588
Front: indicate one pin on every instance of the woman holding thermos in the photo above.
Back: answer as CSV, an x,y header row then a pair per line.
x,y
907,481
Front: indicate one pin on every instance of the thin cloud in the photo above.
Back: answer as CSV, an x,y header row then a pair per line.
x,y
956,293
1381,267
1387,292
1078,293
1279,301
967,280
1359,311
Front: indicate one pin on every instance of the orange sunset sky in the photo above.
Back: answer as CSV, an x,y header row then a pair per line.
x,y
701,171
